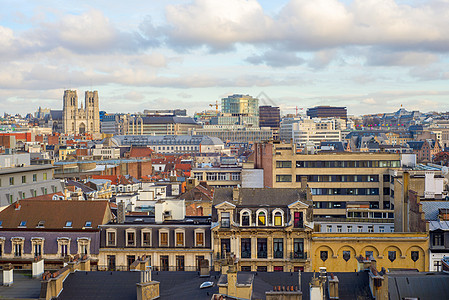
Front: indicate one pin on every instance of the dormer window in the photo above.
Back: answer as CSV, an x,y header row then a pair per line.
x,y
277,218
88,224
246,218
23,224
261,218
68,224
41,224
225,220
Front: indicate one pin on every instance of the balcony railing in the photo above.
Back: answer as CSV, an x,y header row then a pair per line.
x,y
261,254
298,255
278,254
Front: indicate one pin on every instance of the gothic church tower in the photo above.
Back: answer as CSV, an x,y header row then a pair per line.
x,y
81,120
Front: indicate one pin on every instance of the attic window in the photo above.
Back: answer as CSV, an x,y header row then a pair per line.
x,y
68,224
41,224
23,224
88,224
1,222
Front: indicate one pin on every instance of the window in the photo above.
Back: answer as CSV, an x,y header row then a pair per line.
x,y
163,239
298,248
278,219
246,218
225,220
88,224
329,228
346,255
179,238
11,180
179,262
246,248
225,247
18,250
130,238
199,239
23,224
370,228
359,228
438,239
283,178
261,218
349,228
283,164
369,254
45,176
64,246
24,179
83,245
339,228
146,238
110,236
261,248
36,245
381,229
34,177
278,248
68,224
298,220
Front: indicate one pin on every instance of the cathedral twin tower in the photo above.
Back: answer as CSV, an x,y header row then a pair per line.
x,y
81,120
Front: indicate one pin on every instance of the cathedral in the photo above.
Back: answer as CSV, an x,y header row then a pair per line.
x,y
81,120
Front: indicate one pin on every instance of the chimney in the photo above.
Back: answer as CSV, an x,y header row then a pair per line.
x,y
8,275
17,205
235,194
121,212
333,287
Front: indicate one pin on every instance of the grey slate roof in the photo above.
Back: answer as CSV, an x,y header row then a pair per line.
x,y
430,209
101,285
435,225
418,285
258,196
24,286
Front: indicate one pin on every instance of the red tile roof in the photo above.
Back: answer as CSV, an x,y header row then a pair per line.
x,y
139,152
56,213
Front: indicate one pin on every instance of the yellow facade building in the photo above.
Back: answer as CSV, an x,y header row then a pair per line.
x,y
338,251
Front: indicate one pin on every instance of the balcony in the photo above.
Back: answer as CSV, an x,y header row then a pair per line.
x,y
278,254
261,254
298,255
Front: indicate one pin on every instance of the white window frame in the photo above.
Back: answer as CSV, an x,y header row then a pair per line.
x,y
63,241
37,241
129,230
273,213
266,216
163,230
183,231
107,237
146,230
17,241
198,230
245,210
83,242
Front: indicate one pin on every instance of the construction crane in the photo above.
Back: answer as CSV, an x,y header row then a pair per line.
x,y
216,105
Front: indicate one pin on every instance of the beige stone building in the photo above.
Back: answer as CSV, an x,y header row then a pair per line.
x,y
265,229
336,179
81,120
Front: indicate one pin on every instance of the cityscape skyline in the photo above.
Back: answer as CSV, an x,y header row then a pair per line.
x,y
369,56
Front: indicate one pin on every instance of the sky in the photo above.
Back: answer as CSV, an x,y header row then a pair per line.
x,y
371,56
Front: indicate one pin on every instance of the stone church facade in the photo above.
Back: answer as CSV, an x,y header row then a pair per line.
x,y
81,120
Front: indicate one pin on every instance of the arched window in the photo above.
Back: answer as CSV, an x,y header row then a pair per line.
x,y
277,219
246,218
261,218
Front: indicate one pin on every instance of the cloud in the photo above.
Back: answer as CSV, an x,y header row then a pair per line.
x,y
276,59
303,25
402,58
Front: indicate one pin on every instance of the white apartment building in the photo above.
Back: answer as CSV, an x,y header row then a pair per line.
x,y
305,130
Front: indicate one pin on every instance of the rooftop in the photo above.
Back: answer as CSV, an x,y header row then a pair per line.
x,y
24,286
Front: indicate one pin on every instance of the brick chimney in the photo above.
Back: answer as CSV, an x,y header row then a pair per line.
x,y
121,212
236,194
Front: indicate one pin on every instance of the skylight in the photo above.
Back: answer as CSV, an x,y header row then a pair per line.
x,y
68,224
23,223
88,224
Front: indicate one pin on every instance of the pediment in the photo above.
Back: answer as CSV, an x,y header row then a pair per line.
x,y
225,205
298,205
